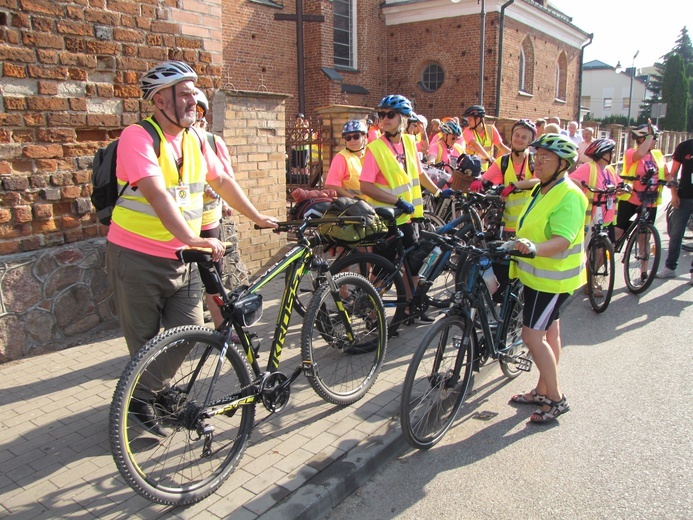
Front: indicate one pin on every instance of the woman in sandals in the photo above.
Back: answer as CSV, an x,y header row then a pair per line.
x,y
551,225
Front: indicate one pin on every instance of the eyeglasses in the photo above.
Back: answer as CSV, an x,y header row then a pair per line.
x,y
352,137
389,115
544,157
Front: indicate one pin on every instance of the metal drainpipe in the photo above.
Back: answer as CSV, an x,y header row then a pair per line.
x,y
582,56
483,50
500,56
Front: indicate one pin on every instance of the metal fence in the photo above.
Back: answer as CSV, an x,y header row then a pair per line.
x,y
305,145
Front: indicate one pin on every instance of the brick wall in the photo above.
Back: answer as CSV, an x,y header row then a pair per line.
x,y
252,125
69,83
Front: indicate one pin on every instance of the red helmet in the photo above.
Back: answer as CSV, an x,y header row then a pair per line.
x,y
598,148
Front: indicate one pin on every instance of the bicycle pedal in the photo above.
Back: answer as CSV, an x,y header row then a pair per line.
x,y
523,363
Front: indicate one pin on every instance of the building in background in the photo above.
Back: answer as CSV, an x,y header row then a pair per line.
x,y
606,90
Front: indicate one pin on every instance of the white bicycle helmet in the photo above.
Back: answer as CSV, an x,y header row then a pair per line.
x,y
165,75
644,130
201,100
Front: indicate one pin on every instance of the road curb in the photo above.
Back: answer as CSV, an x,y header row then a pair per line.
x,y
329,488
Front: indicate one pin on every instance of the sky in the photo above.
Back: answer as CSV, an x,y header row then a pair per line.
x,y
623,27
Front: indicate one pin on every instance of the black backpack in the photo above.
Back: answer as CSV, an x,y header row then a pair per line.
x,y
103,177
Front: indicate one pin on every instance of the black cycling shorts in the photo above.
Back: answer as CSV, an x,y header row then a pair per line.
x,y
627,209
541,309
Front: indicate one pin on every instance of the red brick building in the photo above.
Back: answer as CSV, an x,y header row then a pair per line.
x,y
69,72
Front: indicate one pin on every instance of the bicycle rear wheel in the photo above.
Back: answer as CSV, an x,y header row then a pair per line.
x,y
641,258
437,382
386,280
340,370
197,451
600,272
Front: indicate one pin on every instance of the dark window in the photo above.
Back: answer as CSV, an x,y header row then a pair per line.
x,y
433,77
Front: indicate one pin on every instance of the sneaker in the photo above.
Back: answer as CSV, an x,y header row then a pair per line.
x,y
666,273
144,415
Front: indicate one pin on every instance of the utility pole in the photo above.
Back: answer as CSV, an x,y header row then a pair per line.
x,y
632,77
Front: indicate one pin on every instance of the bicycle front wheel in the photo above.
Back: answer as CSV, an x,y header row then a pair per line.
x,y
641,258
341,369
516,355
437,382
166,440
600,272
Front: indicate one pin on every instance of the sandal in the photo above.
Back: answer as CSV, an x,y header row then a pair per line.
x,y
537,398
556,408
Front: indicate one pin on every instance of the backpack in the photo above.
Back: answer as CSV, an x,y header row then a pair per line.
x,y
352,235
310,208
103,177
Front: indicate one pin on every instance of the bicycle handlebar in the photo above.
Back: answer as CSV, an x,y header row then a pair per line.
x,y
200,254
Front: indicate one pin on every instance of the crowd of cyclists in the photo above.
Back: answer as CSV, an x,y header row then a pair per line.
x,y
548,207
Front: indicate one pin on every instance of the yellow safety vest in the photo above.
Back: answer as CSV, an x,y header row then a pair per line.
x,y
560,273
401,183
630,169
515,201
212,206
486,143
352,184
134,213
442,146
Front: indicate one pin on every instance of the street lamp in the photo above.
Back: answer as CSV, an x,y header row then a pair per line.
x,y
632,76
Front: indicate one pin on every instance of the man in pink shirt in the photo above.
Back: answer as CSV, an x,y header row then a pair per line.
x,y
159,212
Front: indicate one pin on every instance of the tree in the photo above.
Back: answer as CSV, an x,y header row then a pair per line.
x,y
675,94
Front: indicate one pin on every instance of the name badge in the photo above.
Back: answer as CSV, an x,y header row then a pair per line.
x,y
182,195
609,203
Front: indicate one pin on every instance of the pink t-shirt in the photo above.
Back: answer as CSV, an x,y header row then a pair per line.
x,y
139,162
339,171
604,178
468,135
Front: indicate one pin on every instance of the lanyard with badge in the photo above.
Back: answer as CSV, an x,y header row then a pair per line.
x,y
606,182
182,191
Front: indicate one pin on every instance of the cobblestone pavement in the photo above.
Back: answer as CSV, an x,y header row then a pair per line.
x,y
55,459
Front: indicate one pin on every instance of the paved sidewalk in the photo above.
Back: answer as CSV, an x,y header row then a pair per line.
x,y
55,459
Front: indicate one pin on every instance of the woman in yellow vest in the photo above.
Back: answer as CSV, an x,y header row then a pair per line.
x,y
480,138
392,174
345,168
636,163
551,225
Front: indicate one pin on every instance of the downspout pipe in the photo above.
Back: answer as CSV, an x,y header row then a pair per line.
x,y
482,52
500,56
582,57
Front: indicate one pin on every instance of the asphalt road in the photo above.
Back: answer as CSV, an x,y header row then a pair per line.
x,y
623,451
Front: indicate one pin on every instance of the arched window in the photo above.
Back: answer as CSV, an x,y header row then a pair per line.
x,y
561,76
526,69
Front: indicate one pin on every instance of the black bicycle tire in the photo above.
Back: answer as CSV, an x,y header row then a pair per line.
x,y
409,404
389,271
603,304
314,363
517,304
120,426
632,240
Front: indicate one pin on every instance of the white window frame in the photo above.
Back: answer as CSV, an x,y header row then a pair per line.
x,y
523,63
353,48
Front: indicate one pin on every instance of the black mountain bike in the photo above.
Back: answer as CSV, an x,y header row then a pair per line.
x,y
643,244
202,385
472,334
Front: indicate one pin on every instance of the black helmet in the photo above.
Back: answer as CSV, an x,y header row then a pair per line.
x,y
475,111
598,148
301,115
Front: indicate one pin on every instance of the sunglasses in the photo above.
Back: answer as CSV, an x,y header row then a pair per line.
x,y
352,137
389,115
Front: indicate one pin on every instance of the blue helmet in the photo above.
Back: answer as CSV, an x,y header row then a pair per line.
x,y
398,103
451,128
354,125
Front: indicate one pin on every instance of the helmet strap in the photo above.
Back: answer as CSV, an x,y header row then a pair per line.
x,y
177,121
388,134
559,171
